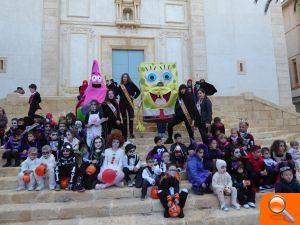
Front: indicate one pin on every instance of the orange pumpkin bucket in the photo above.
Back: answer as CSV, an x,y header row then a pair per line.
x,y
90,170
41,170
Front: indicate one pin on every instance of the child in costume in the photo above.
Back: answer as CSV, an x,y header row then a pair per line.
x,y
222,185
13,127
95,157
150,176
93,121
66,166
3,125
27,168
213,154
217,127
295,153
270,165
157,150
224,145
236,157
49,161
165,162
256,169
170,192
178,152
235,138
13,147
62,130
55,143
247,137
196,173
245,193
131,164
113,160
30,142
71,139
287,183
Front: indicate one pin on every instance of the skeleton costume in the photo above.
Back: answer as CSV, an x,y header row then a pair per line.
x,y
66,166
51,164
178,155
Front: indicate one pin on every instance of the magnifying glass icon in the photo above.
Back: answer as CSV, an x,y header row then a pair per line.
x,y
277,205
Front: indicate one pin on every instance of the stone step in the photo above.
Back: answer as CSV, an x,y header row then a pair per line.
x,y
192,217
9,171
286,137
10,182
100,208
22,197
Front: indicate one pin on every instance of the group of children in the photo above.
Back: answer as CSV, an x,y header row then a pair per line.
x,y
57,155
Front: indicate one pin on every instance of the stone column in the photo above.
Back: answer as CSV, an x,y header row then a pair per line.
x,y
198,40
50,48
281,59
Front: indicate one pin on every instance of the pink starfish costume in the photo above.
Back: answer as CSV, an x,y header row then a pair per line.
x,y
96,90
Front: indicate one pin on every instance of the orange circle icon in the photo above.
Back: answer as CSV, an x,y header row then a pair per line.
x,y
277,204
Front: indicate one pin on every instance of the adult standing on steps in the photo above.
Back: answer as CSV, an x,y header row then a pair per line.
x,y
203,114
127,91
184,112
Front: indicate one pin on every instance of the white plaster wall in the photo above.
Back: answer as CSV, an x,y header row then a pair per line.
x,y
20,42
239,30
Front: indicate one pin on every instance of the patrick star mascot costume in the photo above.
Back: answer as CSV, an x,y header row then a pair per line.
x,y
96,90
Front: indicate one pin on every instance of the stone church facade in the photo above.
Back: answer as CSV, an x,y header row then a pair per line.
x,y
232,44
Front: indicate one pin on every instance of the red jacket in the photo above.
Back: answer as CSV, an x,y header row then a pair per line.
x,y
257,165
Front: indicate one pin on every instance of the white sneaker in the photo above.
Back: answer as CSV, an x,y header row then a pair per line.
x,y
130,184
236,206
225,208
246,206
100,186
20,188
133,183
51,188
39,188
252,205
30,189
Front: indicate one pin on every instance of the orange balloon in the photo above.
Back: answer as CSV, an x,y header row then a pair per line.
x,y
153,193
41,170
26,178
174,210
91,169
64,183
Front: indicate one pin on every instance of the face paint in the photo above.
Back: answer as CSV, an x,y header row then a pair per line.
x,y
115,144
32,155
98,143
46,154
237,153
172,171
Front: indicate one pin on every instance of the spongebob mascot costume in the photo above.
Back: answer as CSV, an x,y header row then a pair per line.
x,y
159,90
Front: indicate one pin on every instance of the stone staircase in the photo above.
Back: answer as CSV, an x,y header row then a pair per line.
x,y
114,205
111,206
122,205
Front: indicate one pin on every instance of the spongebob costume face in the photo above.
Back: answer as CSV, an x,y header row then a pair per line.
x,y
159,86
